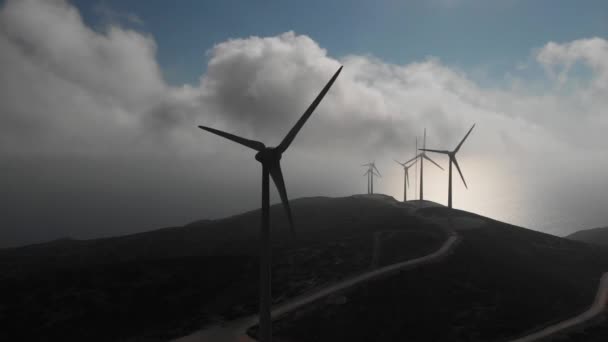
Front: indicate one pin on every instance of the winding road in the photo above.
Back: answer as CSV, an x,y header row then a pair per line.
x,y
599,305
235,331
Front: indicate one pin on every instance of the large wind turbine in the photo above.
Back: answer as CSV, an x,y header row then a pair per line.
x,y
406,177
372,167
452,156
422,155
370,179
270,158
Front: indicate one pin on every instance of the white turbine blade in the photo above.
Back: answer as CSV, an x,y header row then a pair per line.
x,y
256,145
296,128
424,141
415,158
436,151
277,177
374,166
460,172
431,160
463,139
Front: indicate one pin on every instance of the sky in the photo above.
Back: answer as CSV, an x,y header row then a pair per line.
x,y
99,103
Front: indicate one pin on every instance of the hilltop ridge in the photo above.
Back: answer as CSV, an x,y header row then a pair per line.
x,y
166,283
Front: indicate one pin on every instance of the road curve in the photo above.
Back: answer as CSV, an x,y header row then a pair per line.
x,y
599,305
235,331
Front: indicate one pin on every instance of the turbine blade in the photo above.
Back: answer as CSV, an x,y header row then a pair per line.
x,y
368,164
402,164
374,166
436,151
277,177
415,158
366,173
460,172
431,160
424,141
295,129
463,139
407,178
256,145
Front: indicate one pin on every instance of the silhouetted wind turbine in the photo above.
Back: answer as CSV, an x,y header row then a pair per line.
x,y
372,167
370,175
452,156
406,177
416,170
270,158
422,155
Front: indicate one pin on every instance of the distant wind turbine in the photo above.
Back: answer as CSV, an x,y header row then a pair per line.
x,y
406,177
370,180
422,155
416,170
270,158
452,156
370,172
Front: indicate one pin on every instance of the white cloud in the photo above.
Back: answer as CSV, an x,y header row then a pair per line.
x,y
70,92
558,59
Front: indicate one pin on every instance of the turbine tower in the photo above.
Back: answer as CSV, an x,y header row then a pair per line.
x,y
370,180
270,158
371,173
416,170
452,156
406,177
367,174
422,155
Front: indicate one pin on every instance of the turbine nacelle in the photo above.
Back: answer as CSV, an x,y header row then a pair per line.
x,y
268,155
372,166
405,166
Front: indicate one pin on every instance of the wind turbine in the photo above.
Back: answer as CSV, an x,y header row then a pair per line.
x,y
372,167
406,177
422,155
370,175
416,170
270,158
452,156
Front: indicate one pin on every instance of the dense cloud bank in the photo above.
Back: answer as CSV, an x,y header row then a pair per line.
x,y
93,140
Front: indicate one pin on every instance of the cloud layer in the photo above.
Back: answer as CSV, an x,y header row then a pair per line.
x,y
88,122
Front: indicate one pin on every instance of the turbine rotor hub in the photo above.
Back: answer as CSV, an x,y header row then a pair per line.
x,y
267,155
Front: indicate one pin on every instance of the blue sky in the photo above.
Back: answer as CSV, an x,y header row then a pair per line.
x,y
469,34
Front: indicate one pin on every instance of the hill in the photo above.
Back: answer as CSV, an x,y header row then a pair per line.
x,y
598,236
164,283
500,281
